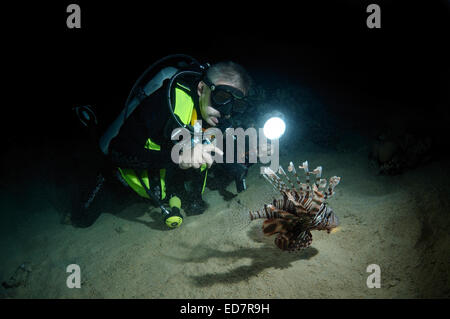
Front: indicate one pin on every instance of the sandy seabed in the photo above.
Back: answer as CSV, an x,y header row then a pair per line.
x,y
399,222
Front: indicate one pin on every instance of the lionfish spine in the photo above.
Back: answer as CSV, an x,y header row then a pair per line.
x,y
270,181
332,184
268,213
282,172
307,202
279,184
291,168
307,173
280,203
318,172
322,183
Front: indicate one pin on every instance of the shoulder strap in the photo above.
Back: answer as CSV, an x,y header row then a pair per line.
x,y
154,84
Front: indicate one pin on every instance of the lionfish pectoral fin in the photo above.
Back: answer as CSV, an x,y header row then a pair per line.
x,y
273,226
303,240
283,242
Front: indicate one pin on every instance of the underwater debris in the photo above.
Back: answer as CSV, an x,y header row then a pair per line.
x,y
394,153
122,229
302,208
19,277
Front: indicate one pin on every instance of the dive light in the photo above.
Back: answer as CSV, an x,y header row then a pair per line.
x,y
173,218
274,128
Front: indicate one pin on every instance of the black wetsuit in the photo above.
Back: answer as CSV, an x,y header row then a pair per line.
x,y
150,119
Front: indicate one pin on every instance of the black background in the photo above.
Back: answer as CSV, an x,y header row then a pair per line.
x,y
51,69
278,307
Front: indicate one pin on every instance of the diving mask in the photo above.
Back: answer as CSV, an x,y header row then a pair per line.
x,y
226,99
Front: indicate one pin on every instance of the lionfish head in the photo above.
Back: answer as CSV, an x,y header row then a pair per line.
x,y
330,222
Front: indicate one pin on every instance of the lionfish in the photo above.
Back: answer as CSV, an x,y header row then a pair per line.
x,y
302,208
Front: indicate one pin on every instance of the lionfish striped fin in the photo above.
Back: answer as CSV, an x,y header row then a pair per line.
x,y
271,175
273,226
282,172
333,183
271,212
291,168
318,172
322,183
267,213
304,166
285,242
303,240
282,241
270,181
282,203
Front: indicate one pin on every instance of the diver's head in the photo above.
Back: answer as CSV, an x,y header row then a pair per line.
x,y
222,92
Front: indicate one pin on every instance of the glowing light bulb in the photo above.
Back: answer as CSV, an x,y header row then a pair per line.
x,y
274,128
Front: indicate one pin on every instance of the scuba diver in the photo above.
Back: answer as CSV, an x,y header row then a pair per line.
x,y
135,150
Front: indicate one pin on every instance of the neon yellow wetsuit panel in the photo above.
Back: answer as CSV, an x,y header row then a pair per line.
x,y
184,109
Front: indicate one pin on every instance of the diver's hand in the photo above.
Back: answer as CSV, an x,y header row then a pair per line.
x,y
199,155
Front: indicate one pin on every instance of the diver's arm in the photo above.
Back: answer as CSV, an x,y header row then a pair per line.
x,y
140,158
128,150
